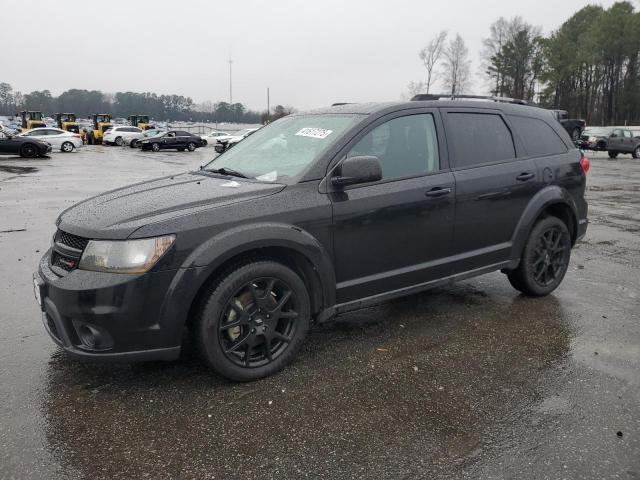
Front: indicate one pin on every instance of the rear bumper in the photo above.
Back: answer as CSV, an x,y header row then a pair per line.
x,y
111,317
582,229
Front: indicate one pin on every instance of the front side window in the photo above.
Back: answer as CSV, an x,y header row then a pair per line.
x,y
479,138
406,146
283,149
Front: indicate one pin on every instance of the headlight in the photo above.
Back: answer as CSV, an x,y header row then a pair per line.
x,y
592,139
124,256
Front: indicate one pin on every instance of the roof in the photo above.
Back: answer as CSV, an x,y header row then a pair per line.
x,y
380,107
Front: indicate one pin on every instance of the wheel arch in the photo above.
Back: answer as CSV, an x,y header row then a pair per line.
x,y
552,200
287,244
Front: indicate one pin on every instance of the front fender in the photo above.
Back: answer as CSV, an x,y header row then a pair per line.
x,y
546,197
211,254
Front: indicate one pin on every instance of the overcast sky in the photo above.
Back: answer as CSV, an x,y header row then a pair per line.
x,y
309,53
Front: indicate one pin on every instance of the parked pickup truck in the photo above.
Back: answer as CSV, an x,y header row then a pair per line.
x,y
622,140
573,126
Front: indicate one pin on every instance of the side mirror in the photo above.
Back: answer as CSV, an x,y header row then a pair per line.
x,y
354,170
613,135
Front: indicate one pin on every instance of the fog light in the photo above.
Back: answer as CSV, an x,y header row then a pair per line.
x,y
88,336
92,337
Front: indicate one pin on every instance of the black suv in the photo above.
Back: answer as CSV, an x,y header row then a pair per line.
x,y
314,215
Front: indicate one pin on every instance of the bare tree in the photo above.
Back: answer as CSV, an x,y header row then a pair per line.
x,y
413,88
456,66
431,55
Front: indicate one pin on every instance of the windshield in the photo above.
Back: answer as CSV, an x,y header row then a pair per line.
x,y
284,148
153,133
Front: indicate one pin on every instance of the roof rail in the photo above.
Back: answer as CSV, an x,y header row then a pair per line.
x,y
340,103
434,96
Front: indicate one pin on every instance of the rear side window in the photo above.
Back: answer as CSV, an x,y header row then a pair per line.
x,y
183,134
538,137
627,134
479,138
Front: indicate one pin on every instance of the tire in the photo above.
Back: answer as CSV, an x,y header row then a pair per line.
x,y
191,146
28,150
67,147
155,147
613,154
545,258
133,143
236,320
119,141
575,134
636,152
601,146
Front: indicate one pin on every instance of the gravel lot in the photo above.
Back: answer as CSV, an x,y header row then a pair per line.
x,y
472,381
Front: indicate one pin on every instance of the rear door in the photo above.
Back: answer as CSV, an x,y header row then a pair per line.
x,y
494,183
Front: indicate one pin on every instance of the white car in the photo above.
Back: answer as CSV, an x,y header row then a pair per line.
x,y
213,136
58,139
117,135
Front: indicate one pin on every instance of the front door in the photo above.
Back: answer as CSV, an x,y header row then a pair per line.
x,y
393,234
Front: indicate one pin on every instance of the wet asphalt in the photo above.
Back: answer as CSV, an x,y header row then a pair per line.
x,y
470,381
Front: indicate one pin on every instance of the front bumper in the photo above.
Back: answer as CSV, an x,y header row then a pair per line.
x,y
112,317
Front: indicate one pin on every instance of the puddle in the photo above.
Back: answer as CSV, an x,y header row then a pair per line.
x,y
17,169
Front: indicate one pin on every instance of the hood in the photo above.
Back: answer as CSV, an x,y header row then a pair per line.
x,y
118,213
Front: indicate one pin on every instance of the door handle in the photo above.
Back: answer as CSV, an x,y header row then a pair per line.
x,y
438,192
523,177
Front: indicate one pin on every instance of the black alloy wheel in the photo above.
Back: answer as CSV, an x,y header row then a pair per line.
x,y
258,322
191,146
155,147
28,151
545,258
253,320
548,260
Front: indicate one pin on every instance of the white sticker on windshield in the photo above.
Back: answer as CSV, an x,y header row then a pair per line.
x,y
231,184
268,177
314,132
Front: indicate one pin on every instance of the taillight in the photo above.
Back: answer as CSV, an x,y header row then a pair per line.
x,y
77,135
584,163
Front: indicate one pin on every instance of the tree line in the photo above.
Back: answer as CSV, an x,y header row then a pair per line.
x,y
122,104
589,66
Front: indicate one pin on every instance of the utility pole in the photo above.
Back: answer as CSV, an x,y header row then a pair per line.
x,y
268,106
230,86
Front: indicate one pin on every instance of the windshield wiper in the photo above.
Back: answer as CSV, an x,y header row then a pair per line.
x,y
228,171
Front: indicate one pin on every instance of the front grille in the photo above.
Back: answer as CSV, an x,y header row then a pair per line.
x,y
71,240
67,250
